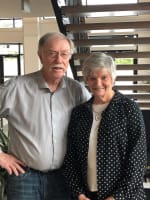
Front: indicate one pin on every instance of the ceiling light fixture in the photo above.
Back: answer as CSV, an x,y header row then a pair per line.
x,y
25,6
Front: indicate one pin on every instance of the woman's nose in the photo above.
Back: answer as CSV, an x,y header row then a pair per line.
x,y
98,82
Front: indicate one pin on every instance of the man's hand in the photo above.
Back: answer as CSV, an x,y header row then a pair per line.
x,y
11,164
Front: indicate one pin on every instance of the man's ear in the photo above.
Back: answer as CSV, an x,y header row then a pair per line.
x,y
39,54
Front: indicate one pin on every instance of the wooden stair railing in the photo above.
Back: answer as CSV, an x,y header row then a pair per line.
x,y
112,41
80,10
138,25
80,26
129,54
125,67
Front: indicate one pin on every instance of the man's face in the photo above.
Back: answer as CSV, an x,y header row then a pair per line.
x,y
55,57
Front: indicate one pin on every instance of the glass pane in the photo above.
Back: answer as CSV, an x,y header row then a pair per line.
x,y
22,64
110,2
13,49
18,23
6,23
10,22
7,49
98,2
10,66
124,61
21,48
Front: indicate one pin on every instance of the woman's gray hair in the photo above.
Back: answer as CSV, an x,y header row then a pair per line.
x,y
54,35
99,61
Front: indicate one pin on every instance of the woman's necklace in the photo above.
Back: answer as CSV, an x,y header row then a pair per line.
x,y
98,109
97,115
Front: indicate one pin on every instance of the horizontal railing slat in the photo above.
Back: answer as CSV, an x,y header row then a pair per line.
x,y
135,87
129,54
124,67
80,10
139,96
138,25
112,41
133,78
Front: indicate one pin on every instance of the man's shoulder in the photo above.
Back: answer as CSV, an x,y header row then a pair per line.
x,y
20,81
26,78
72,83
29,75
71,80
77,89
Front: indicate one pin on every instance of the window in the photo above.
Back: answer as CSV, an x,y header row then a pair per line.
x,y
10,23
11,61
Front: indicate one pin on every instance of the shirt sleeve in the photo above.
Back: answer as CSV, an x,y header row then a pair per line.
x,y
85,94
7,91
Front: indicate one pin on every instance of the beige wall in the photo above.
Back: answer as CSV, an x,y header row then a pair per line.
x,y
29,34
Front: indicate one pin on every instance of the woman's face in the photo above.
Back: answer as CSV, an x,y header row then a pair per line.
x,y
100,84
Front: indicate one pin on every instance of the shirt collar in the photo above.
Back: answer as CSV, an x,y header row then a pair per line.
x,y
43,84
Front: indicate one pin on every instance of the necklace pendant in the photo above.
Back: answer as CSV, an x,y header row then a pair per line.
x,y
97,116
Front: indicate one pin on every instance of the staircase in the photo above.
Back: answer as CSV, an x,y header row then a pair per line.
x,y
122,31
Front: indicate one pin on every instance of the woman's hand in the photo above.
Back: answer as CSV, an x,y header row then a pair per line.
x,y
110,198
83,197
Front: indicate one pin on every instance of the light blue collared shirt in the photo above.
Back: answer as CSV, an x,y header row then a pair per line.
x,y
38,119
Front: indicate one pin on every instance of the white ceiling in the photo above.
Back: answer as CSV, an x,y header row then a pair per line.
x,y
12,8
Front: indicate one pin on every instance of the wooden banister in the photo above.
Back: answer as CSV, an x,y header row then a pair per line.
x,y
124,67
87,10
111,41
108,26
131,54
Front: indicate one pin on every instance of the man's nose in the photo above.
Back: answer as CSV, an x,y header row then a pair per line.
x,y
58,58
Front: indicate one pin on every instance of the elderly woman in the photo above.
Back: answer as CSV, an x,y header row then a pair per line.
x,y
106,155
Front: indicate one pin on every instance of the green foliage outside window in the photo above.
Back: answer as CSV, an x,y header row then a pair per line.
x,y
124,61
3,173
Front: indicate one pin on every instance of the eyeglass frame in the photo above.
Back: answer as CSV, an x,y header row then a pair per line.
x,y
64,54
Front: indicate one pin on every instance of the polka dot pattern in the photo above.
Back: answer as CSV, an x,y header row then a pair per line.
x,y
121,150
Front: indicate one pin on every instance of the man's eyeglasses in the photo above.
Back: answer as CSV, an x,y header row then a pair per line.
x,y
63,54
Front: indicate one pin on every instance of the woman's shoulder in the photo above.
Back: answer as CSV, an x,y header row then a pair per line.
x,y
85,106
125,103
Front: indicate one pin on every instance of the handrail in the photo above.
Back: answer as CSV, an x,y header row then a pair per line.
x,y
80,10
108,26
